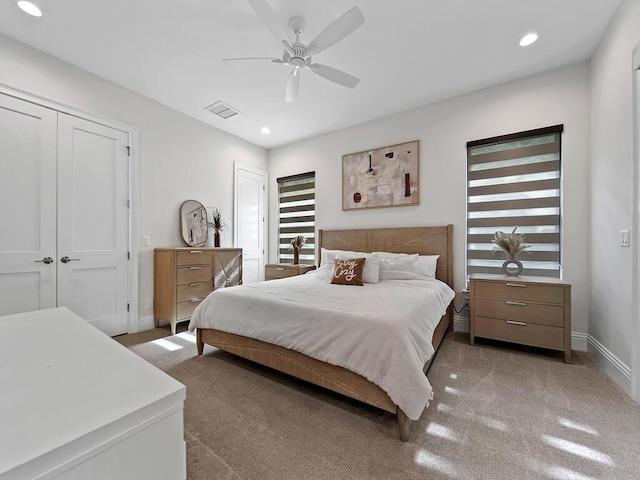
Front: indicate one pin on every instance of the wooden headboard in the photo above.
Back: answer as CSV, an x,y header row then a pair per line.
x,y
422,240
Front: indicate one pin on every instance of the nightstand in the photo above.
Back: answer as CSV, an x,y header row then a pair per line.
x,y
532,311
283,270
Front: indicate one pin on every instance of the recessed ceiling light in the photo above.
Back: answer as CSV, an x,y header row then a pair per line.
x,y
528,39
30,8
266,130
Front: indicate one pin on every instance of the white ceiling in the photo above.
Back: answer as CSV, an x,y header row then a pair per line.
x,y
408,53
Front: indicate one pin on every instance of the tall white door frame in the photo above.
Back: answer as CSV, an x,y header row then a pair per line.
x,y
258,179
635,240
134,185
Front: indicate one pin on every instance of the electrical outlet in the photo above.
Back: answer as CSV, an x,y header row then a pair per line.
x,y
149,302
146,240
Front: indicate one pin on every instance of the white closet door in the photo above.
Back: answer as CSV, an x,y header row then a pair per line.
x,y
28,206
93,222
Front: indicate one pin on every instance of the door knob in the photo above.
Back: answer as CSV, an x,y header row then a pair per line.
x,y
66,259
44,260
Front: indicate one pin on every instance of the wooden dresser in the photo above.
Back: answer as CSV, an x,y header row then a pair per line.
x,y
274,271
183,277
527,310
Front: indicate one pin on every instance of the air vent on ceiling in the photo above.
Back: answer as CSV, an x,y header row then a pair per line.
x,y
222,110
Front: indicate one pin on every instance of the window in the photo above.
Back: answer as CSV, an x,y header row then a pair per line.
x,y
514,180
297,203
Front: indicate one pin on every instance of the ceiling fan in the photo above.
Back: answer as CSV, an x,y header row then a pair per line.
x,y
298,55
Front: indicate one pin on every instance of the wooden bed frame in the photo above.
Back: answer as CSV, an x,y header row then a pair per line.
x,y
423,240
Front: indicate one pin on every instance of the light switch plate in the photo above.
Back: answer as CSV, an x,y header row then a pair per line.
x,y
624,238
146,240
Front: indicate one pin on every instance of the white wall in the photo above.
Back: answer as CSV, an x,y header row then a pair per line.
x,y
180,157
557,97
611,322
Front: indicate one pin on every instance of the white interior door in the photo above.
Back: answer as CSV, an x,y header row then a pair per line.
x,y
93,222
28,206
249,220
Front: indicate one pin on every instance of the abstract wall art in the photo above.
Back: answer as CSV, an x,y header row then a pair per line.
x,y
382,177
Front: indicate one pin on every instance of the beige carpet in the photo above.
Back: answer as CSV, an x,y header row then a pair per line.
x,y
499,413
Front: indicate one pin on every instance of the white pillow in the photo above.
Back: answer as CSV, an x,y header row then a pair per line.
x,y
371,270
328,256
427,265
397,266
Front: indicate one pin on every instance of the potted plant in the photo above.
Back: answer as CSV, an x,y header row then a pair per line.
x,y
297,243
216,224
512,244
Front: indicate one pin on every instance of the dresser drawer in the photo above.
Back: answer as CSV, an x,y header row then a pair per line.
x,y
194,274
189,292
522,332
185,309
193,257
518,290
552,315
273,273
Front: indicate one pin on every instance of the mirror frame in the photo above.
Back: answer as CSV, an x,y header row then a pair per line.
x,y
193,223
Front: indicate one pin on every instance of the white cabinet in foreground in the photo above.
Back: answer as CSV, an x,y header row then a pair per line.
x,y
75,404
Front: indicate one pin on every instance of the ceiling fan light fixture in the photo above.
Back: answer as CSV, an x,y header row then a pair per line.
x,y
30,8
266,130
528,39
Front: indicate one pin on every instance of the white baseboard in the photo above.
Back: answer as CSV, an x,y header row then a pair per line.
x,y
611,364
579,341
460,323
145,323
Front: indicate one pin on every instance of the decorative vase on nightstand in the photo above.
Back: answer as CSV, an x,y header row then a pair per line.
x,y
296,257
508,269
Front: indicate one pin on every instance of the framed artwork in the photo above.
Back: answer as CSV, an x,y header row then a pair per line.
x,y
383,177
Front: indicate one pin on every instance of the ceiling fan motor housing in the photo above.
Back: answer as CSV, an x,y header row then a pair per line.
x,y
300,57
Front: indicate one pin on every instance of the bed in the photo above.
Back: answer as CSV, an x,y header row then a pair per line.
x,y
436,240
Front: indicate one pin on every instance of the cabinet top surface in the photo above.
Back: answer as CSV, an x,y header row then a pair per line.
x,y
187,249
519,279
69,380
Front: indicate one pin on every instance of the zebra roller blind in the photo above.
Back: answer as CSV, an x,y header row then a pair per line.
x,y
514,180
297,204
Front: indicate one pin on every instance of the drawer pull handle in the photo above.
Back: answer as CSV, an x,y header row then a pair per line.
x,y
195,268
519,285
519,304
195,251
513,322
281,269
195,284
194,300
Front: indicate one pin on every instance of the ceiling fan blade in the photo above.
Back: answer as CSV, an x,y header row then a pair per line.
x,y
334,75
336,31
274,60
293,85
268,17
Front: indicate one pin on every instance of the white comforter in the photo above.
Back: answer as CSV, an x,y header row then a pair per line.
x,y
381,331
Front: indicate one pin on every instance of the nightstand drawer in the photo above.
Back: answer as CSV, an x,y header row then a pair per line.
x,y
520,332
198,290
518,290
551,315
194,274
194,257
273,273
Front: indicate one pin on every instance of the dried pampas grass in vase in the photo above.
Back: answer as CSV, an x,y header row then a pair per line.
x,y
296,245
512,244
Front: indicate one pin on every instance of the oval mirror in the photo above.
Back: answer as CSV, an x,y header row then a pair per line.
x,y
193,220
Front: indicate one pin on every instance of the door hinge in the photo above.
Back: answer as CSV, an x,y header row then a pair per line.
x,y
128,255
263,187
262,219
128,150
128,203
128,307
